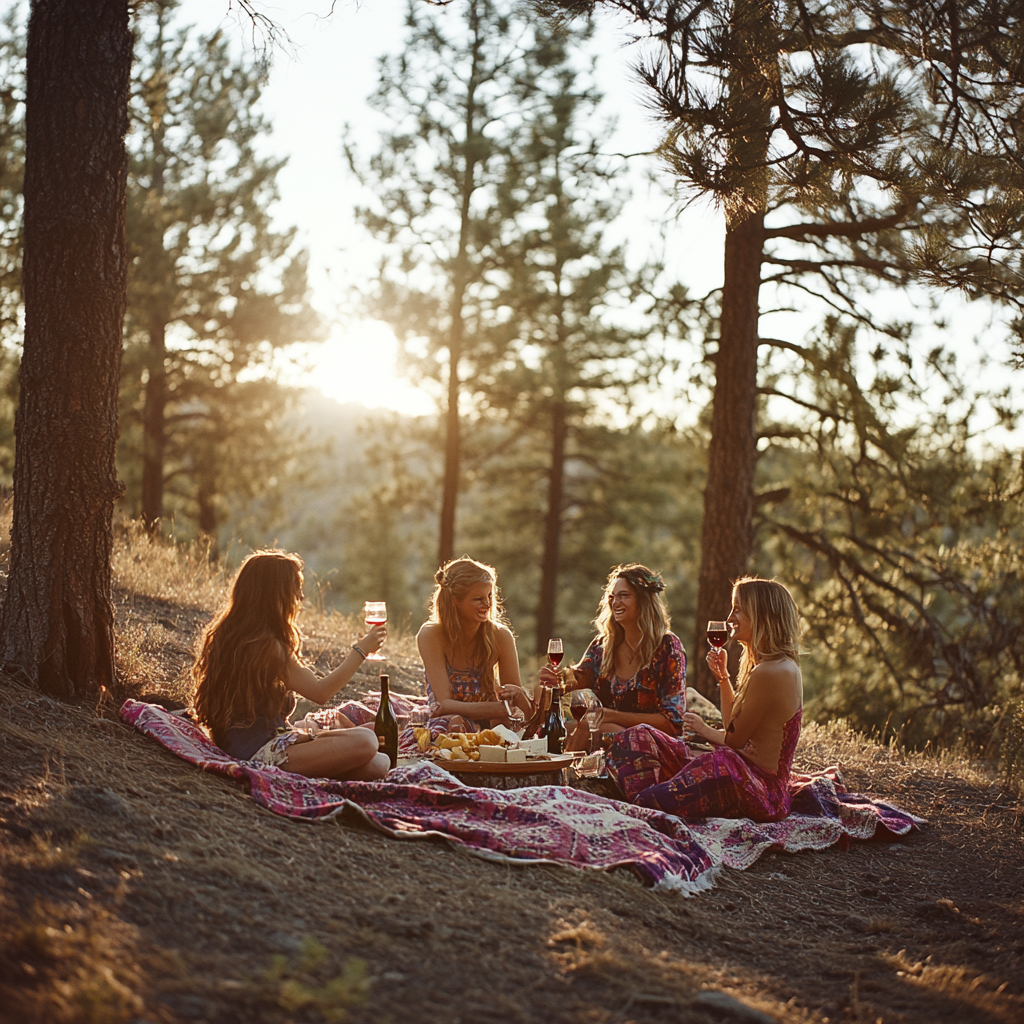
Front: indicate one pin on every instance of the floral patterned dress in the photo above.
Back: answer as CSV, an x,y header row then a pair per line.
x,y
657,687
467,686
657,771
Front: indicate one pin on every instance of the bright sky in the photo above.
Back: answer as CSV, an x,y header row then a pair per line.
x,y
320,87
320,84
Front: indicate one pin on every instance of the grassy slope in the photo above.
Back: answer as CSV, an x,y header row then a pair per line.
x,y
135,888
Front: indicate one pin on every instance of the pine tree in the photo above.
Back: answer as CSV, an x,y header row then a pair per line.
x,y
203,309
565,351
848,143
446,197
57,621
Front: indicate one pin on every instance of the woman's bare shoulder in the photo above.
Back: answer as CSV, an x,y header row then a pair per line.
x,y
429,632
776,671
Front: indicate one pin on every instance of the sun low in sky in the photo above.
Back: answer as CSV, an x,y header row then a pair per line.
x,y
356,363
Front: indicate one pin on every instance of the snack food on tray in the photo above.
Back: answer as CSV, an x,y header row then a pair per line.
x,y
498,745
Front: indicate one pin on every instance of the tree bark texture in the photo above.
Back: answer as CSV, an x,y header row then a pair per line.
x,y
727,530
727,533
552,530
56,629
452,453
154,436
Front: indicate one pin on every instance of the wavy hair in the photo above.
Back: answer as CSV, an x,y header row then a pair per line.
x,y
774,626
652,615
453,581
241,665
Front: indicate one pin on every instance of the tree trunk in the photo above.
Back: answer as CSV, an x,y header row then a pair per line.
x,y
154,437
56,629
452,452
552,529
727,530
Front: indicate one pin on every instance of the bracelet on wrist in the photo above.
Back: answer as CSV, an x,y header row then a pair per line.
x,y
359,650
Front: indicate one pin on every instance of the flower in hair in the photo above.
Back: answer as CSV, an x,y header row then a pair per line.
x,y
651,581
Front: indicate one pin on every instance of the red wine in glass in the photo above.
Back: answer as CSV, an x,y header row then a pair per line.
x,y
578,710
555,652
718,635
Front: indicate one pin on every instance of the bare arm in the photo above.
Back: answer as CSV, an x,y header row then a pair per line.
x,y
628,718
304,680
508,673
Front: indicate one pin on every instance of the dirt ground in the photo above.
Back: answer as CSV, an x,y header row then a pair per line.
x,y
136,888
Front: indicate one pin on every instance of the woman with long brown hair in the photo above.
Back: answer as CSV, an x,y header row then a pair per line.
x,y
635,664
249,668
746,774
468,651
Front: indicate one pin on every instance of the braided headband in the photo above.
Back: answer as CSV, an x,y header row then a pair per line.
x,y
650,581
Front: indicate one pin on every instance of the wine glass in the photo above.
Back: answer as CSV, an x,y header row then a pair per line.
x,y
375,612
555,652
584,704
718,634
516,717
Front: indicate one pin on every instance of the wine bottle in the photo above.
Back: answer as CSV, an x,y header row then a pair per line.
x,y
555,730
539,716
385,724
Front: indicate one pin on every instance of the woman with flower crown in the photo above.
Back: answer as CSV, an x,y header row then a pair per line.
x,y
469,652
635,665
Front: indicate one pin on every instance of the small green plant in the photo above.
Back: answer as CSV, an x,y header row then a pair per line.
x,y
294,988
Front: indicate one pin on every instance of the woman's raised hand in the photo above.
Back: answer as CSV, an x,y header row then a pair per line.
x,y
718,662
374,639
549,675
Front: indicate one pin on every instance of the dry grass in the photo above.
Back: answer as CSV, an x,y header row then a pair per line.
x,y
134,887
165,593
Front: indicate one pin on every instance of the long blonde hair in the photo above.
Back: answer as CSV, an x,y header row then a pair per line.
x,y
453,581
652,615
241,665
774,626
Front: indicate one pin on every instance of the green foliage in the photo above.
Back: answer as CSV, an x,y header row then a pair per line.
x,y
12,167
902,535
214,292
631,494
296,987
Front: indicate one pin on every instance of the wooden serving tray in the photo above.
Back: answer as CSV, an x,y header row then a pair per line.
x,y
554,763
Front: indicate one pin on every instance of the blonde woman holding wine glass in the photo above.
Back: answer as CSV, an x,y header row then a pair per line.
x,y
635,664
747,772
468,651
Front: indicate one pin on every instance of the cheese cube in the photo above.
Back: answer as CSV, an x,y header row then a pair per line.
x,y
488,753
515,756
538,746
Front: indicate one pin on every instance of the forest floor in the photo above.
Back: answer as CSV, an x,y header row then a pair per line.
x,y
136,888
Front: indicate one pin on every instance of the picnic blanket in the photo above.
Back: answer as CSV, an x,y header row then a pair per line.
x,y
541,824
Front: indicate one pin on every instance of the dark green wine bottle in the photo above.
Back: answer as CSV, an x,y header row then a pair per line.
x,y
555,731
385,725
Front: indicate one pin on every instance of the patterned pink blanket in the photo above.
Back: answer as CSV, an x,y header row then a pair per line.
x,y
542,824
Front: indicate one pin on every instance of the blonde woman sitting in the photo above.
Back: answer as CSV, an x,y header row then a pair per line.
x,y
747,773
469,652
635,665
